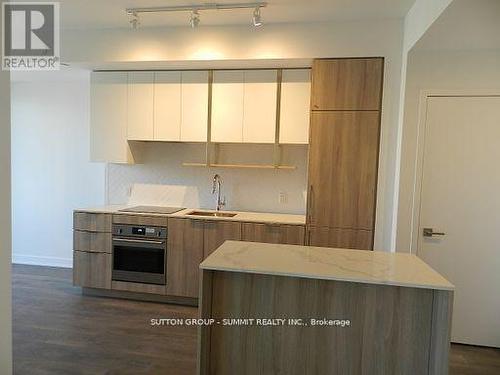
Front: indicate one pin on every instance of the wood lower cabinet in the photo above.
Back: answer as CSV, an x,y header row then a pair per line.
x,y
94,242
217,232
343,169
184,255
92,270
92,222
340,238
273,233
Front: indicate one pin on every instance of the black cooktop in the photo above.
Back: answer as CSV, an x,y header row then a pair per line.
x,y
153,210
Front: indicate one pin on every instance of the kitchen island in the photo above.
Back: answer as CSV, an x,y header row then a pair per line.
x,y
283,309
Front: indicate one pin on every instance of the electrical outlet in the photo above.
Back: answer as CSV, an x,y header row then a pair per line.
x,y
282,197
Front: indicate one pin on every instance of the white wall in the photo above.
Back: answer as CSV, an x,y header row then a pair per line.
x,y
5,226
51,172
5,233
284,41
467,71
245,189
418,20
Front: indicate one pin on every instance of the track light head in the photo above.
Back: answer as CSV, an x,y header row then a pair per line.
x,y
257,19
135,22
195,18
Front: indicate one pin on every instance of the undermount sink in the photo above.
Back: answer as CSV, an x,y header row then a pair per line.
x,y
211,214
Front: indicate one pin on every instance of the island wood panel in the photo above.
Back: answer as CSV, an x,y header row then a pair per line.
x,y
92,270
340,238
390,332
343,161
441,333
273,233
95,242
92,222
217,232
347,84
155,221
138,287
184,255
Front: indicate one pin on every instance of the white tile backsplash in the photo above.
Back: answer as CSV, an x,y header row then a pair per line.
x,y
245,189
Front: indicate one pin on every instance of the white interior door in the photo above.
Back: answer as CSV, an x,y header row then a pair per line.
x,y
461,197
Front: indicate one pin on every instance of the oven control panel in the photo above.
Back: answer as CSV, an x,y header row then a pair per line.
x,y
139,231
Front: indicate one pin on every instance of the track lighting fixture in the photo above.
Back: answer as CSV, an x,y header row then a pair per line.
x,y
195,18
135,22
257,19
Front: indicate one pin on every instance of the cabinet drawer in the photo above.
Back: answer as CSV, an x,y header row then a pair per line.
x,y
340,238
92,222
92,270
154,221
273,233
93,242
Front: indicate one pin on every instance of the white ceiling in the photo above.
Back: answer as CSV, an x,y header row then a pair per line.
x,y
465,25
82,14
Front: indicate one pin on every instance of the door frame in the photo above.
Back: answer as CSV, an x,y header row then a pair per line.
x,y
420,147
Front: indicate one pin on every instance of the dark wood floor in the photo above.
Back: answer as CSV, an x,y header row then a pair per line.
x,y
59,331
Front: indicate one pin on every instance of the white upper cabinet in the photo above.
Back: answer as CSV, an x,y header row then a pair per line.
x,y
108,118
295,104
227,106
244,106
194,106
140,106
167,106
259,113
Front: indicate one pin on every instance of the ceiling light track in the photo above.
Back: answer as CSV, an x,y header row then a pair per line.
x,y
189,8
194,21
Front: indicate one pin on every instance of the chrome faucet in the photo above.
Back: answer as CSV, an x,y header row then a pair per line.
x,y
216,187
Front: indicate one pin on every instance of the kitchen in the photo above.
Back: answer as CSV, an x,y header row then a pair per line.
x,y
257,151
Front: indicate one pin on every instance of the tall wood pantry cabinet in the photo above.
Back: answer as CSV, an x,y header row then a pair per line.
x,y
344,137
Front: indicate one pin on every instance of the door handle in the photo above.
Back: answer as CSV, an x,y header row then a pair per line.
x,y
429,232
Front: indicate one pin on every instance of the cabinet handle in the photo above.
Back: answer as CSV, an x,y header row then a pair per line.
x,y
310,204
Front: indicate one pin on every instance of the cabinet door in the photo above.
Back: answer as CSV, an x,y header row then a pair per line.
x,y
347,84
194,104
108,118
259,109
340,238
227,106
140,106
273,233
343,156
184,255
295,106
217,232
167,106
92,270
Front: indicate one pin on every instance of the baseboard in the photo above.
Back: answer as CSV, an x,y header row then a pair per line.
x,y
42,261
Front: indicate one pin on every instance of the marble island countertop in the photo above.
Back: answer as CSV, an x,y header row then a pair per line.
x,y
372,267
254,217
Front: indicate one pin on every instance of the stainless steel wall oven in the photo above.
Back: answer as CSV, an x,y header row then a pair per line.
x,y
139,254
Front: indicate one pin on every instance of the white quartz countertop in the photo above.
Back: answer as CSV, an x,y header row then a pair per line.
x,y
372,267
255,217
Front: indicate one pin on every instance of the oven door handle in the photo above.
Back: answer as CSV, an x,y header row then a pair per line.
x,y
146,242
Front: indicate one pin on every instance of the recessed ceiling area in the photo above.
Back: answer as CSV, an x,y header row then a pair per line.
x,y
464,25
81,14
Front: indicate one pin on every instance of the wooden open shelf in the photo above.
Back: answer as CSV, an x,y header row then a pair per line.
x,y
249,166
